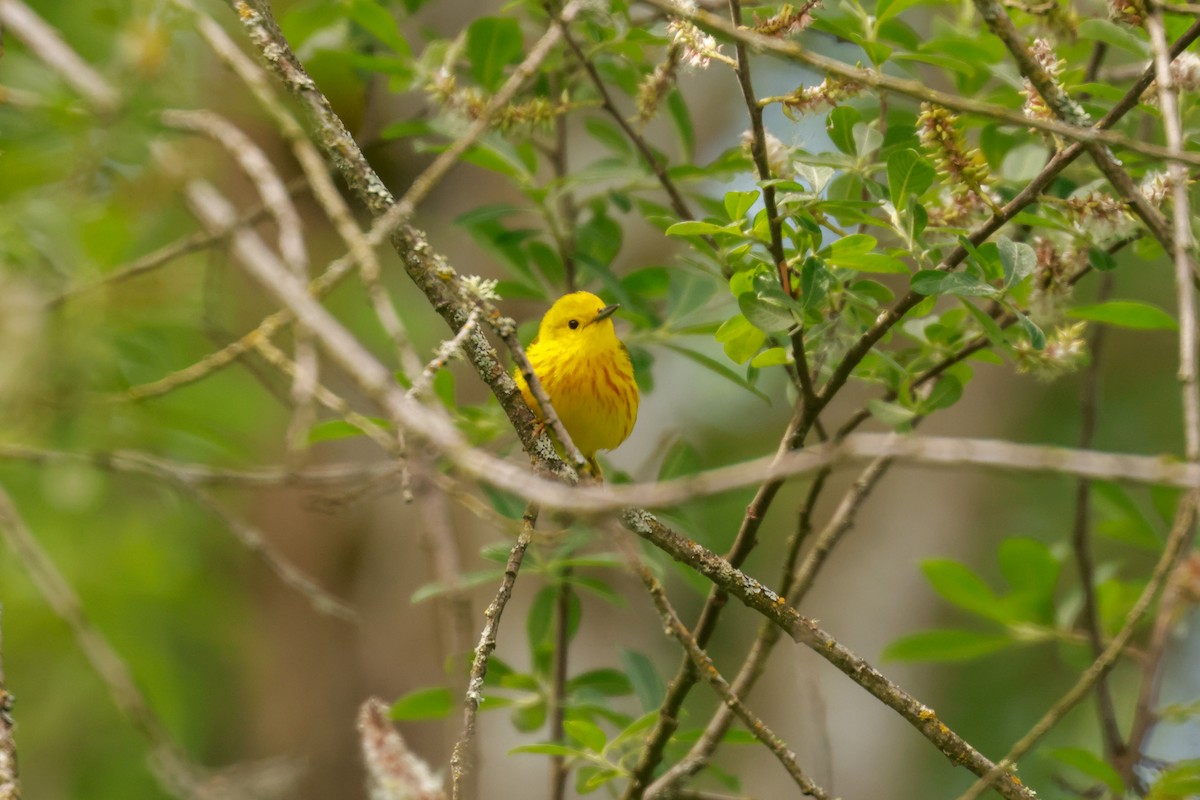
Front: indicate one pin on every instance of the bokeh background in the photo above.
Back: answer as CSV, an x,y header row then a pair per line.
x,y
242,669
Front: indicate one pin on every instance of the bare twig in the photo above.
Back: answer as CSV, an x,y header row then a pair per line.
x,y
200,474
178,775
271,325
678,204
686,675
794,586
804,631
460,758
361,247
1066,109
45,42
291,575
200,240
1178,542
705,667
427,269
1089,393
1181,249
910,88
275,197
1183,240
10,785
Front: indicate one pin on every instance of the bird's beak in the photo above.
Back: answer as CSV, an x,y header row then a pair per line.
x,y
606,312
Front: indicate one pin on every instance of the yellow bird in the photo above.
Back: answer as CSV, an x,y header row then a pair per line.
x,y
586,373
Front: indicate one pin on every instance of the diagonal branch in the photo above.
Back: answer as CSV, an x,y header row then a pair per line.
x,y
1178,542
460,758
704,665
793,51
178,775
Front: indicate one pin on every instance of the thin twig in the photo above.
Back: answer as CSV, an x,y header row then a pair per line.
x,y
793,51
46,43
1066,109
794,586
460,761
1183,240
678,204
262,174
705,667
446,352
361,248
138,463
1182,246
1089,396
685,675
292,576
427,269
758,153
10,785
178,775
1178,542
200,240
806,632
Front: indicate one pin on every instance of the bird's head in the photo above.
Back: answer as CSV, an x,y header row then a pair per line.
x,y
579,319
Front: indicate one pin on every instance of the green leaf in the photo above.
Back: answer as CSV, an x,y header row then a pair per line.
x,y
1181,781
608,682
886,9
944,645
333,429
599,240
677,108
959,585
738,203
590,778
1036,338
433,703
698,228
1126,314
892,414
1032,572
1114,598
854,244
1018,259
772,357
945,393
1102,30
548,749
1121,518
648,282
1091,765
647,685
540,618
492,44
586,733
959,284
1101,260
990,329
908,173
380,23
840,127
740,339
765,313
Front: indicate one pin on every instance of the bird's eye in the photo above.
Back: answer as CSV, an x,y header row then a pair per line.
x,y
573,324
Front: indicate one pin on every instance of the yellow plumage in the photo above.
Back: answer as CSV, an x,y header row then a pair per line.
x,y
586,373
